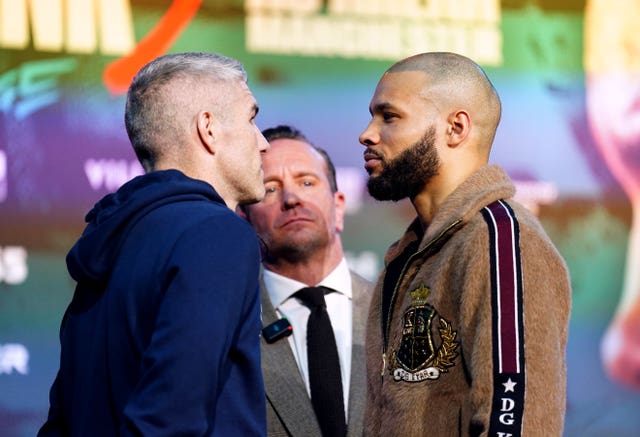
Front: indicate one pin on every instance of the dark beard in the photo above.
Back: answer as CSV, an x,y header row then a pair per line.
x,y
408,173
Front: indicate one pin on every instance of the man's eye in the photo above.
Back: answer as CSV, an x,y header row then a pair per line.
x,y
387,116
307,183
269,190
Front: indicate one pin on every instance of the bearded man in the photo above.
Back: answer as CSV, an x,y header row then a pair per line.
x,y
467,328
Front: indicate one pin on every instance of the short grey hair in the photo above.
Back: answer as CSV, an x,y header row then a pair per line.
x,y
150,116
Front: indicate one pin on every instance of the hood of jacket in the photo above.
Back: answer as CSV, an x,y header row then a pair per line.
x,y
92,258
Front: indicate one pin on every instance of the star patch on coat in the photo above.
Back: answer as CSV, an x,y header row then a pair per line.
x,y
418,358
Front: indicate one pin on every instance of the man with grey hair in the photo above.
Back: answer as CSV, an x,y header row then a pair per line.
x,y
468,324
162,334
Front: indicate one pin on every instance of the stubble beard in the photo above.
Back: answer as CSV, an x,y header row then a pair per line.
x,y
408,173
295,249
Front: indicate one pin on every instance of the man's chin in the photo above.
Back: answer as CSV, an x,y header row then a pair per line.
x,y
251,198
295,249
382,192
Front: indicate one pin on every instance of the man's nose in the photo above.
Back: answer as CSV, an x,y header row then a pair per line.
x,y
368,137
289,199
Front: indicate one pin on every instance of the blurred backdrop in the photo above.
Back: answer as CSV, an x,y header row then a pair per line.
x,y
566,137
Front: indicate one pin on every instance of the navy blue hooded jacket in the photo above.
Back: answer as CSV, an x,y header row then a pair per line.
x,y
162,334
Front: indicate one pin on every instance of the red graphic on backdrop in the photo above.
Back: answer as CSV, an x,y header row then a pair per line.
x,y
118,74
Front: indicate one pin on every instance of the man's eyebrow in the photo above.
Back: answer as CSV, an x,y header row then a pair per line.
x,y
380,107
296,175
270,179
306,173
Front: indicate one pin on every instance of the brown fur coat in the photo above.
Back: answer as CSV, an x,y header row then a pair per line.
x,y
453,365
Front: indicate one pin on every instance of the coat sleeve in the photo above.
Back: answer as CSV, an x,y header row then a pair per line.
x,y
53,426
515,311
205,343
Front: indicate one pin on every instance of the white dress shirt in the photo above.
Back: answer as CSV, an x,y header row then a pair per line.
x,y
280,290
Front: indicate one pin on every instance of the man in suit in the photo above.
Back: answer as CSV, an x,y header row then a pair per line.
x,y
299,223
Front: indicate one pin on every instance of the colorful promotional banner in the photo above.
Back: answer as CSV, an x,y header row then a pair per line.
x,y
568,74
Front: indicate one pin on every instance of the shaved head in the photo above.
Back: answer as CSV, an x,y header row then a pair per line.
x,y
456,82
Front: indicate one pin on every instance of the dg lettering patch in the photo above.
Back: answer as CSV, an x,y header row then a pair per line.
x,y
507,321
418,357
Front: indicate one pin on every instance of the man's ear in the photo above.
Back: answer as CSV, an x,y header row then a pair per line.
x,y
340,206
458,128
205,125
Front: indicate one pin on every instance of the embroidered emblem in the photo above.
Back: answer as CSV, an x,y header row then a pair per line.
x,y
417,359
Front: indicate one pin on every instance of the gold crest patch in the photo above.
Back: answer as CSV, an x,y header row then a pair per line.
x,y
417,358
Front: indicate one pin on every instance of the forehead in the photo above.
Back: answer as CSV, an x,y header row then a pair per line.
x,y
294,154
399,89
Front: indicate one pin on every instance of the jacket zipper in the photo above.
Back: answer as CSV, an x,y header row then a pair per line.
x,y
386,326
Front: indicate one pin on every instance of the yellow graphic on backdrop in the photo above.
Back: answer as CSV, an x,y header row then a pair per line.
x,y
73,26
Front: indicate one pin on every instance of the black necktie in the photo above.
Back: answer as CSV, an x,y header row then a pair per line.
x,y
324,365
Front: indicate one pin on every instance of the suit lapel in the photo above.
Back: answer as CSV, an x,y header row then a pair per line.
x,y
361,290
285,389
